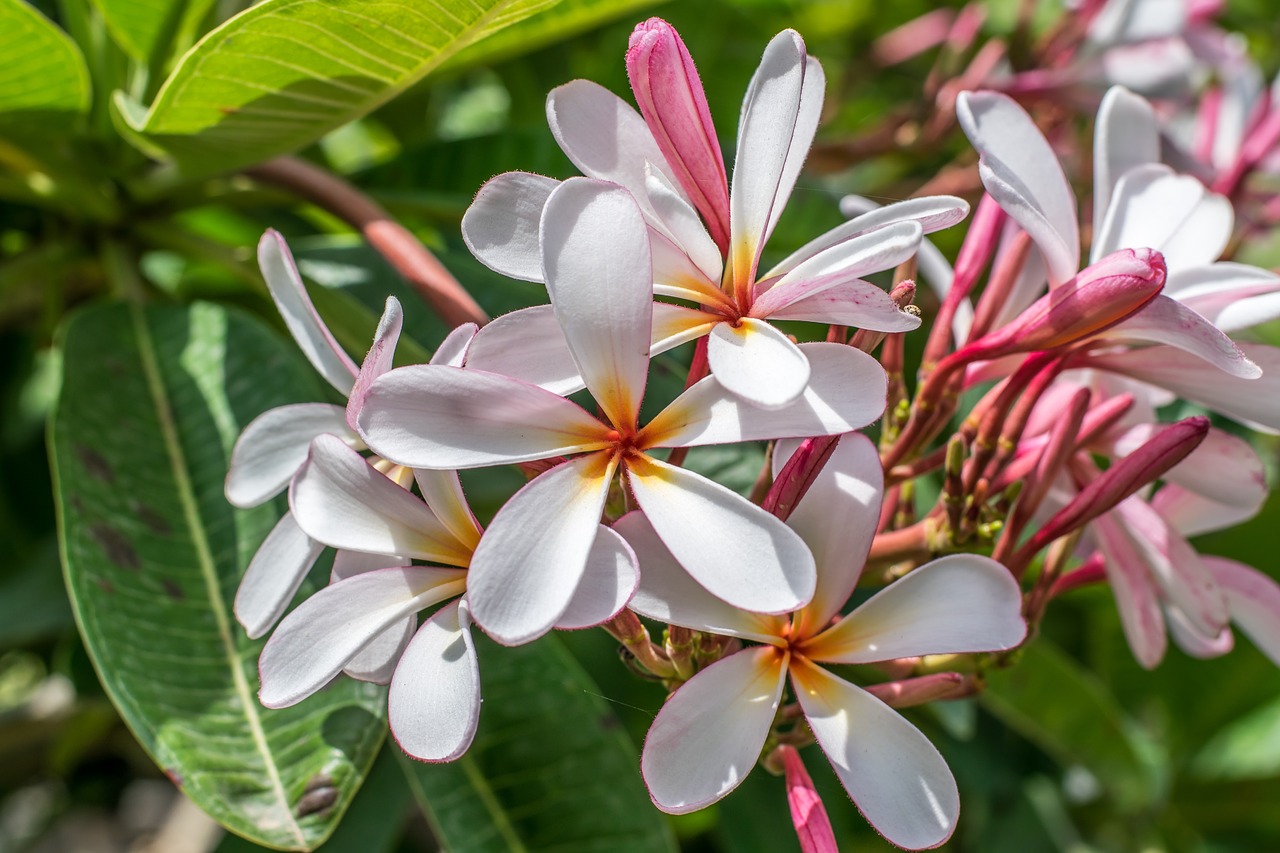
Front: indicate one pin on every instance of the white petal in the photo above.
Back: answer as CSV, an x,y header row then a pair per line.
x,y
680,221
315,641
605,137
379,359
1250,400
732,547
1183,578
1134,591
859,304
442,490
274,575
933,213
755,361
532,557
674,325
846,391
1192,641
669,594
849,260
675,273
1023,174
595,253
429,416
274,445
1156,209
708,736
434,703
1231,296
779,118
1192,514
377,661
955,604
528,345
894,775
837,519
300,316
608,582
1254,601
343,501
453,349
1126,135
1223,468
501,225
1168,321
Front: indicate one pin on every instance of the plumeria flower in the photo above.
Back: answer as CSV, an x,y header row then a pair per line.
x,y
710,733
1139,203
707,236
365,622
274,445
529,563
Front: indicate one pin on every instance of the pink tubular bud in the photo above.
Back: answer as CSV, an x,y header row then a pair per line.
x,y
1103,294
795,478
1124,478
935,687
670,96
813,827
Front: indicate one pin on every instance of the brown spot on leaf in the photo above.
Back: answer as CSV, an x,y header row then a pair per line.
x,y
95,464
319,796
105,585
174,776
172,589
154,521
117,548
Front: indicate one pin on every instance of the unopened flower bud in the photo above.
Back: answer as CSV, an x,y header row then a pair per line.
x,y
935,687
1103,294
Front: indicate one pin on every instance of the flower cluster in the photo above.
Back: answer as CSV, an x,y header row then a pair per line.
x,y
654,247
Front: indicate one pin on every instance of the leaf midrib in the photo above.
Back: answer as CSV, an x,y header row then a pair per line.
x,y
204,555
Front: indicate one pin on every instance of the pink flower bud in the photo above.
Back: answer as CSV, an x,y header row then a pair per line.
x,y
813,827
669,93
1103,294
937,686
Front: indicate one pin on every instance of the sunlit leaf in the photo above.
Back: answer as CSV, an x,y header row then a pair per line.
x,y
152,400
43,79
285,72
145,27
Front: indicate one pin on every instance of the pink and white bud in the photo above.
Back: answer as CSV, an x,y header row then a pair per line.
x,y
670,96
813,827
1102,295
934,687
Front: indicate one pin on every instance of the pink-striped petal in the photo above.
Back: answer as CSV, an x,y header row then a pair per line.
x,y
274,445
315,641
341,500
531,559
837,519
528,345
277,569
846,391
753,360
377,661
430,416
1134,591
1021,172
595,254
859,304
379,359
669,594
453,350
1191,641
1192,514
708,736
501,225
608,582
732,547
299,314
956,604
779,118
1254,601
1126,135
1230,296
893,774
434,703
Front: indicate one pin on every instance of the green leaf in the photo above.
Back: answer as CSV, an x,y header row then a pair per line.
x,y
151,402
145,28
1053,702
568,18
285,72
550,768
43,78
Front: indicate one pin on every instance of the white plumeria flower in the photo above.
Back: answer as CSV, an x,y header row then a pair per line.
x,y
1139,204
274,445
665,158
532,558
365,622
709,734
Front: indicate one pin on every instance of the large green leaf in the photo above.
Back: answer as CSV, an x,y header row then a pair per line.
x,y
285,72
145,28
152,400
43,78
550,768
1067,712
